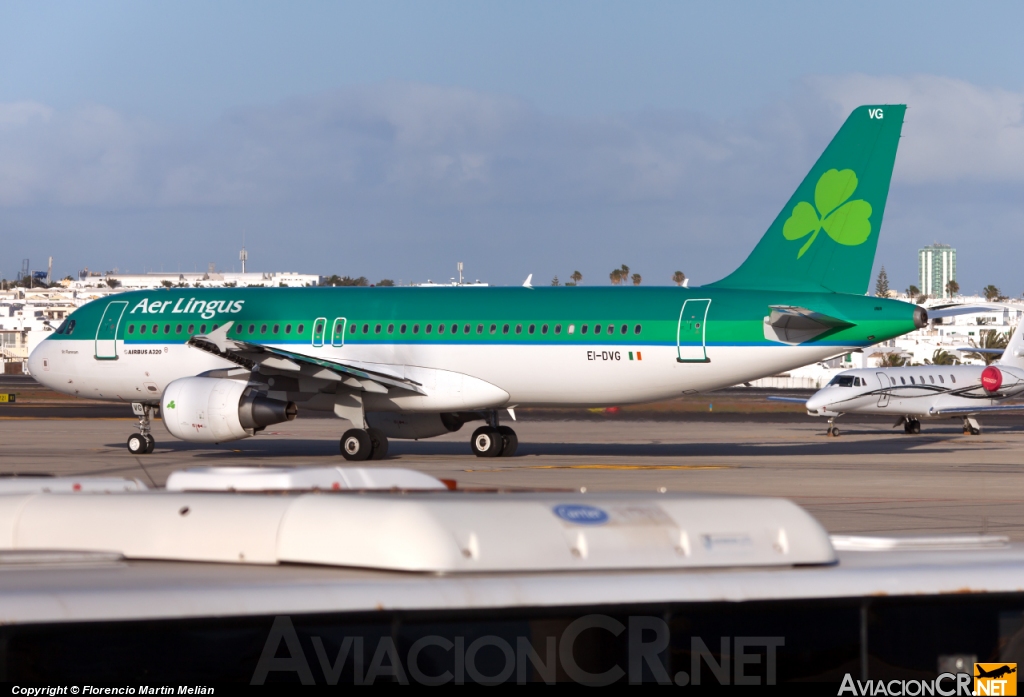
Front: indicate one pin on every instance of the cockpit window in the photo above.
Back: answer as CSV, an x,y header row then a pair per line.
x,y
62,328
842,381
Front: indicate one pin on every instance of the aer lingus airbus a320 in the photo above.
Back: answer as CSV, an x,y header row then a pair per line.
x,y
222,364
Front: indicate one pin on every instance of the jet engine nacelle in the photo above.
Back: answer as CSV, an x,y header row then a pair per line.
x,y
215,410
414,425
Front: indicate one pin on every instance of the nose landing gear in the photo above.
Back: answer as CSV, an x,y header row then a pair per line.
x,y
832,431
143,442
912,426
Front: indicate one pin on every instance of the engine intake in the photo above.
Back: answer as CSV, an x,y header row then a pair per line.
x,y
215,410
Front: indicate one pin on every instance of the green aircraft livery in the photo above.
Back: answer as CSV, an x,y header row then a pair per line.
x,y
222,364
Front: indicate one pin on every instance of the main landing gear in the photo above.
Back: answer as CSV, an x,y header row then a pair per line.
x,y
912,426
493,440
142,443
364,444
971,427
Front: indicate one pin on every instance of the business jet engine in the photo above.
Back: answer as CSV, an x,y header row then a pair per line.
x,y
214,410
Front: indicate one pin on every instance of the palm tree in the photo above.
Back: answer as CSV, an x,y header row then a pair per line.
x,y
625,271
576,277
991,292
990,339
953,288
678,277
942,357
616,277
636,279
892,359
913,291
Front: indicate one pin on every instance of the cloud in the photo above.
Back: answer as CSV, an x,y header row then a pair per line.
x,y
954,130
415,168
450,145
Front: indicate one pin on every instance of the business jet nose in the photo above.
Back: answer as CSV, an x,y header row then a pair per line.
x,y
817,401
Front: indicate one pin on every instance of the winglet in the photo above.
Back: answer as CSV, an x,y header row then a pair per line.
x,y
526,283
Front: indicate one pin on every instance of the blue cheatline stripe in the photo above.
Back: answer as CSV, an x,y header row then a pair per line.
x,y
514,342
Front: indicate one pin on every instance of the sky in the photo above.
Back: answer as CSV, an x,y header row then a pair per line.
x,y
393,139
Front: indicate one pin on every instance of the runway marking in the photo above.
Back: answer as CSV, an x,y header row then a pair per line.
x,y
67,418
627,467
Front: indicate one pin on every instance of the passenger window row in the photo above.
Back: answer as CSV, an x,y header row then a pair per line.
x,y
241,329
903,381
238,330
480,329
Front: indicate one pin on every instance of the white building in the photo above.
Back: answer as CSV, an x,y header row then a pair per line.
x,y
209,279
936,267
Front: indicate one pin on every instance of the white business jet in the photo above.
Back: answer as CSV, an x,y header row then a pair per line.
x,y
912,393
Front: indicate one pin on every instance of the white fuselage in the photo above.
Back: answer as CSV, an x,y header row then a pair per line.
x,y
914,391
544,375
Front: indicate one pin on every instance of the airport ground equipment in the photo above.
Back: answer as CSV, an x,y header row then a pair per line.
x,y
224,364
325,587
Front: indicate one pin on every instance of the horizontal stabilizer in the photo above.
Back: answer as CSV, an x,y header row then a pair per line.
x,y
955,310
792,325
971,349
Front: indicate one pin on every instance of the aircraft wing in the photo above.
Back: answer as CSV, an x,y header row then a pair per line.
x,y
979,409
788,399
280,361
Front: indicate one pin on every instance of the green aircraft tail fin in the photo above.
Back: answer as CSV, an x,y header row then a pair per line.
x,y
825,237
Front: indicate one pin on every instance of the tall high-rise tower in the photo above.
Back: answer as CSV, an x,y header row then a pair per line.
x,y
936,266
243,256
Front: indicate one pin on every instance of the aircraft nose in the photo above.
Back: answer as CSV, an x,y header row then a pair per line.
x,y
39,363
817,401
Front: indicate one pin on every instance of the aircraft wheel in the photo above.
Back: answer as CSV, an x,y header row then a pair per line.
x,y
975,431
510,441
356,445
915,427
150,443
137,444
835,432
486,442
379,443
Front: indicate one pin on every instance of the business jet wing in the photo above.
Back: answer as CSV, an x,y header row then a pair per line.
x,y
979,409
788,399
274,360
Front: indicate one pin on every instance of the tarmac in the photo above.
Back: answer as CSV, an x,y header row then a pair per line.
x,y
871,480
